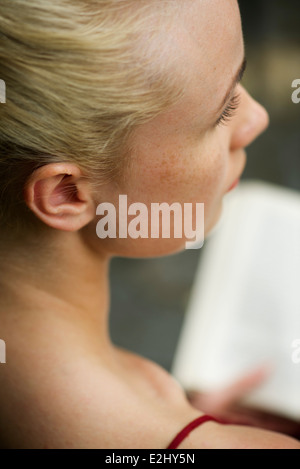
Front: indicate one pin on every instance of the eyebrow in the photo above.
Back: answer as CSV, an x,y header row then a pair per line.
x,y
238,77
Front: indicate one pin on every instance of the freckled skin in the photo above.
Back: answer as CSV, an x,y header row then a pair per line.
x,y
181,155
68,386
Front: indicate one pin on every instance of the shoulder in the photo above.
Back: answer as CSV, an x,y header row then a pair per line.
x,y
174,412
80,403
151,376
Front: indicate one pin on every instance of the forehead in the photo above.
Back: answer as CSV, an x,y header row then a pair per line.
x,y
208,43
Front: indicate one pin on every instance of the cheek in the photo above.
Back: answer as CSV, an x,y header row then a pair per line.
x,y
214,181
178,175
214,176
160,176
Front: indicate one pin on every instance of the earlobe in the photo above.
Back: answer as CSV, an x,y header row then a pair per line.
x,y
60,196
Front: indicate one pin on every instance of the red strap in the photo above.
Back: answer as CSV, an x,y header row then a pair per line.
x,y
189,428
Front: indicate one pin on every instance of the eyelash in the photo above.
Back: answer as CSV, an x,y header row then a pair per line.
x,y
230,110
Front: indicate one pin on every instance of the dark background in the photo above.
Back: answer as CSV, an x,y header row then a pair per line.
x,y
149,297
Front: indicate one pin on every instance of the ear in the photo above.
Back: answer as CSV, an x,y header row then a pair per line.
x,y
60,196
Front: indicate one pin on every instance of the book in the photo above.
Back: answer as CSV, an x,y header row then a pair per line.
x,y
244,309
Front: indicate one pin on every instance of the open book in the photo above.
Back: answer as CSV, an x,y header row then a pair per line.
x,y
244,309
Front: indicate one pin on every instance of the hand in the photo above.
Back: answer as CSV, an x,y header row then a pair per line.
x,y
225,405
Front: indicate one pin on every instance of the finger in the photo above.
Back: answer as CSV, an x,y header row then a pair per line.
x,y
222,399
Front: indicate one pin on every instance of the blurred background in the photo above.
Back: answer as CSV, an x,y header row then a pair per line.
x,y
150,297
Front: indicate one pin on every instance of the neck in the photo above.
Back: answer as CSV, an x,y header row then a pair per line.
x,y
62,280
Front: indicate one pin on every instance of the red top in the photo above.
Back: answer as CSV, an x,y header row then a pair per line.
x,y
189,428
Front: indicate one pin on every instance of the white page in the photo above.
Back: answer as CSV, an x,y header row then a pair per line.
x,y
245,306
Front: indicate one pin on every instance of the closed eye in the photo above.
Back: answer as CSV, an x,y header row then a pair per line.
x,y
230,110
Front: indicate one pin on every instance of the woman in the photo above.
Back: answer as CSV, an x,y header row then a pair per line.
x,y
105,98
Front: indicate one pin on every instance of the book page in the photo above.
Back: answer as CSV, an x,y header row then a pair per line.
x,y
244,310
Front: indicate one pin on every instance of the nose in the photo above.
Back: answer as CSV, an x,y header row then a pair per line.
x,y
251,120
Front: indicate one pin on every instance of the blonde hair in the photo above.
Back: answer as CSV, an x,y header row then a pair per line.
x,y
80,76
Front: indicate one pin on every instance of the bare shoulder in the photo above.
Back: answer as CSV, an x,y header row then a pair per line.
x,y
211,435
68,401
75,402
151,376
